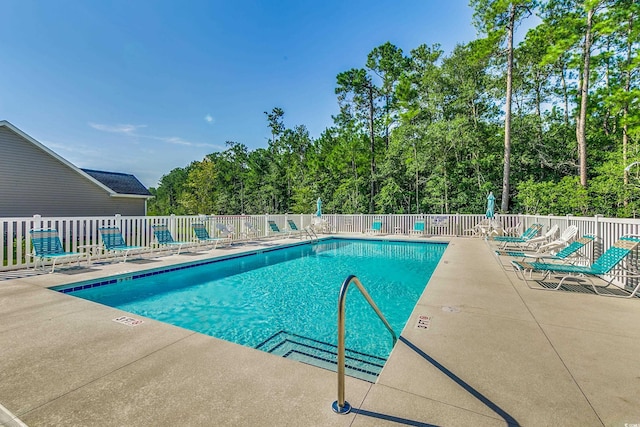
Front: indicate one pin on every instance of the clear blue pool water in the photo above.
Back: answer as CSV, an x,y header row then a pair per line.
x,y
248,299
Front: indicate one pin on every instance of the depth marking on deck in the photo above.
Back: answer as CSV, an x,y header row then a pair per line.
x,y
423,322
129,321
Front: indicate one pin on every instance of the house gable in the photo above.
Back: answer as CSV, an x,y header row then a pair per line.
x,y
35,180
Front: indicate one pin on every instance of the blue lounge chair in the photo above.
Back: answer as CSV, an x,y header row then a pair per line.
x,y
293,229
164,238
114,242
418,228
47,246
570,254
610,263
203,236
275,230
307,231
376,227
528,234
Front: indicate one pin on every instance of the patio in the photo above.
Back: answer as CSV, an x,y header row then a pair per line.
x,y
495,353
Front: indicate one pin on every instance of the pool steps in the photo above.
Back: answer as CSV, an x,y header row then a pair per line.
x,y
323,355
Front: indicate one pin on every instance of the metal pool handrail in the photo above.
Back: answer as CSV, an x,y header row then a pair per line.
x,y
312,234
341,406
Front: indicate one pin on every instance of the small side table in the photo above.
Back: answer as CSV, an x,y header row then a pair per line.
x,y
92,251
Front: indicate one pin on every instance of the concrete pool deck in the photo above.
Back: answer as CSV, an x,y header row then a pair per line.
x,y
495,353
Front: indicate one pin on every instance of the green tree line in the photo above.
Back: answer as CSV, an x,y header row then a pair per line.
x,y
550,125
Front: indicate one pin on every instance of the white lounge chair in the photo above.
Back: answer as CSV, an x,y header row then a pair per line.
x,y
562,241
250,231
482,229
513,230
225,230
544,238
321,225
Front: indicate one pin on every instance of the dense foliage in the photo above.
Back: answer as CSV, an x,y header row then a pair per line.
x,y
550,124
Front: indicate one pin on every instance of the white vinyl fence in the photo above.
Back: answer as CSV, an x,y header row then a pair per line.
x,y
79,232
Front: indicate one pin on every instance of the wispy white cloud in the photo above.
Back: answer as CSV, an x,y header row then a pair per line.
x,y
124,129
209,119
179,141
80,149
175,140
131,130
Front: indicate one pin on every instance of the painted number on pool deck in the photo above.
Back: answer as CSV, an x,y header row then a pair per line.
x,y
129,321
423,322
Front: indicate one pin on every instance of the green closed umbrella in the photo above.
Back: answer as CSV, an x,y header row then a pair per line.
x,y
491,205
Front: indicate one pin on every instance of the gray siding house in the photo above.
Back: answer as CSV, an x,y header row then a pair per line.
x,y
35,180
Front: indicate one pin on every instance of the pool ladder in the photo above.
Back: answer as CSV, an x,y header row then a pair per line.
x,y
311,233
341,406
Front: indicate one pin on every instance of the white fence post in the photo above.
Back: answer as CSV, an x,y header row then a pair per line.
x,y
596,227
172,224
599,243
37,221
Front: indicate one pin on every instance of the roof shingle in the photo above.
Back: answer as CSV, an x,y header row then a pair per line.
x,y
121,183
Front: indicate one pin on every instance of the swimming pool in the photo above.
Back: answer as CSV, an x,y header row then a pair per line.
x,y
284,301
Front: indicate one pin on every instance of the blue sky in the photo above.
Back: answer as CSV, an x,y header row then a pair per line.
x,y
143,86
